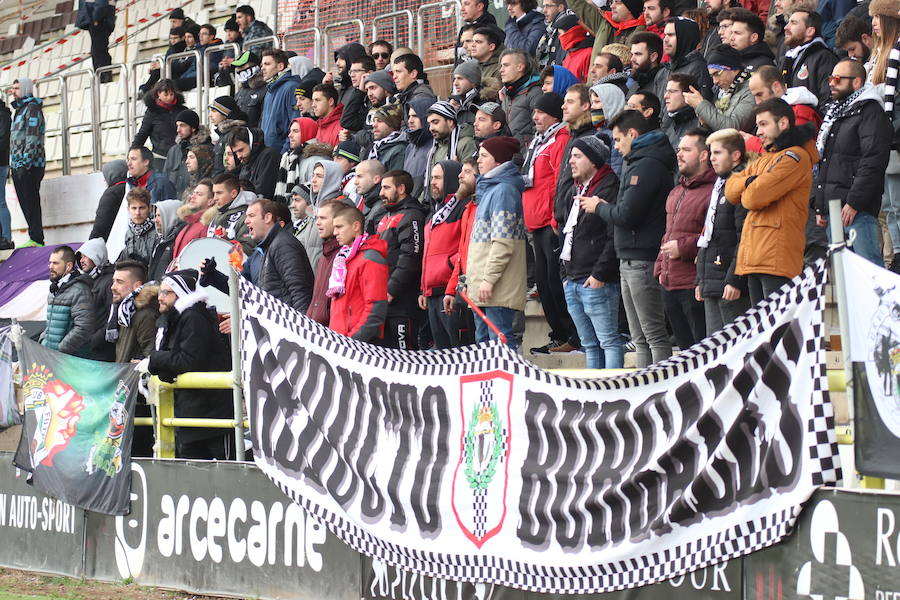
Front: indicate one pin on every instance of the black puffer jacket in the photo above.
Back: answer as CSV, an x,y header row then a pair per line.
x,y
676,124
639,214
224,130
593,249
757,55
158,125
856,155
286,272
249,97
403,228
190,341
715,262
811,69
261,169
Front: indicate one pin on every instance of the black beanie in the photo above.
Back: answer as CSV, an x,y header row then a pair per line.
x,y
550,103
725,56
190,117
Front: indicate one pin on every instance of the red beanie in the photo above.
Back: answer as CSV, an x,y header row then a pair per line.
x,y
502,148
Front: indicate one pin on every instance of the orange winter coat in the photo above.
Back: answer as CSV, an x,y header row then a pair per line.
x,y
775,191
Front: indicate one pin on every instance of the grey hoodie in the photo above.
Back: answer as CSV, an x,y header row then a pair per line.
x,y
331,187
168,214
95,250
114,171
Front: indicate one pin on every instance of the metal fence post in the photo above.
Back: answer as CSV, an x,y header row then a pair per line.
x,y
234,290
163,396
840,293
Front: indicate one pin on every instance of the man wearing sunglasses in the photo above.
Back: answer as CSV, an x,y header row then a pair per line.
x,y
855,144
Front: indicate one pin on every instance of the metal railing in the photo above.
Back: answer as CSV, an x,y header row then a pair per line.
x,y
392,16
136,96
316,44
269,39
329,61
207,72
420,29
198,68
98,119
63,117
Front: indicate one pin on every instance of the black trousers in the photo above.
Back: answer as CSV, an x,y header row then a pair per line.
x,y
100,46
549,285
686,315
28,188
761,285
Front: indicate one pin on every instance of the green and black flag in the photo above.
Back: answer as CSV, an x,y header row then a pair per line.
x,y
76,439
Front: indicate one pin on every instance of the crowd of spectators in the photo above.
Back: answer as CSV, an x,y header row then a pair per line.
x,y
646,170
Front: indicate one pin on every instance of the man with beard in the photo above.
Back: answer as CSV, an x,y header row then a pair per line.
x,y
676,264
646,70
451,141
855,146
442,233
341,77
454,305
854,36
295,166
402,228
92,261
389,143
189,341
368,188
680,39
70,315
808,61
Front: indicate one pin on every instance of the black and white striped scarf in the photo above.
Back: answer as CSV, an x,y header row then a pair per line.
x,y
376,147
121,314
835,112
890,79
442,212
538,142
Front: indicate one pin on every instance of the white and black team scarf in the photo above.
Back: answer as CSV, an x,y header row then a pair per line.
x,y
138,230
376,147
890,79
718,189
121,314
835,112
444,211
538,143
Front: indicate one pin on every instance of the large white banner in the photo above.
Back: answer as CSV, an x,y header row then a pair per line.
x,y
475,465
873,299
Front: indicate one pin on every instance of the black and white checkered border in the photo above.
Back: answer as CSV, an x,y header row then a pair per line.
x,y
649,567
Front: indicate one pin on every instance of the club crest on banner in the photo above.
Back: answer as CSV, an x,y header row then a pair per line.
x,y
481,475
56,407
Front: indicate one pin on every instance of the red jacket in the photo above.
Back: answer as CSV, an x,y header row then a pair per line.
x,y
360,312
685,213
803,113
441,246
465,234
578,46
194,230
320,304
537,201
330,126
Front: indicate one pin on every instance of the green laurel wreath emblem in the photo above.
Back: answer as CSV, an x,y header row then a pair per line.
x,y
480,481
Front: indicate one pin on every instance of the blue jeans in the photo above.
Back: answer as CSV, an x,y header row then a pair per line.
x,y
502,317
596,315
867,243
5,219
890,203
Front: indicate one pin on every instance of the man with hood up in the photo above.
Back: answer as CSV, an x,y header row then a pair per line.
x,y
168,225
96,270
680,39
343,59
259,163
442,232
325,184
290,170
26,156
421,141
578,43
114,173
280,104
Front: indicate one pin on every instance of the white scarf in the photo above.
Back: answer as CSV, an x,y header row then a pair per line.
x,y
572,220
718,188
376,147
538,143
441,213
